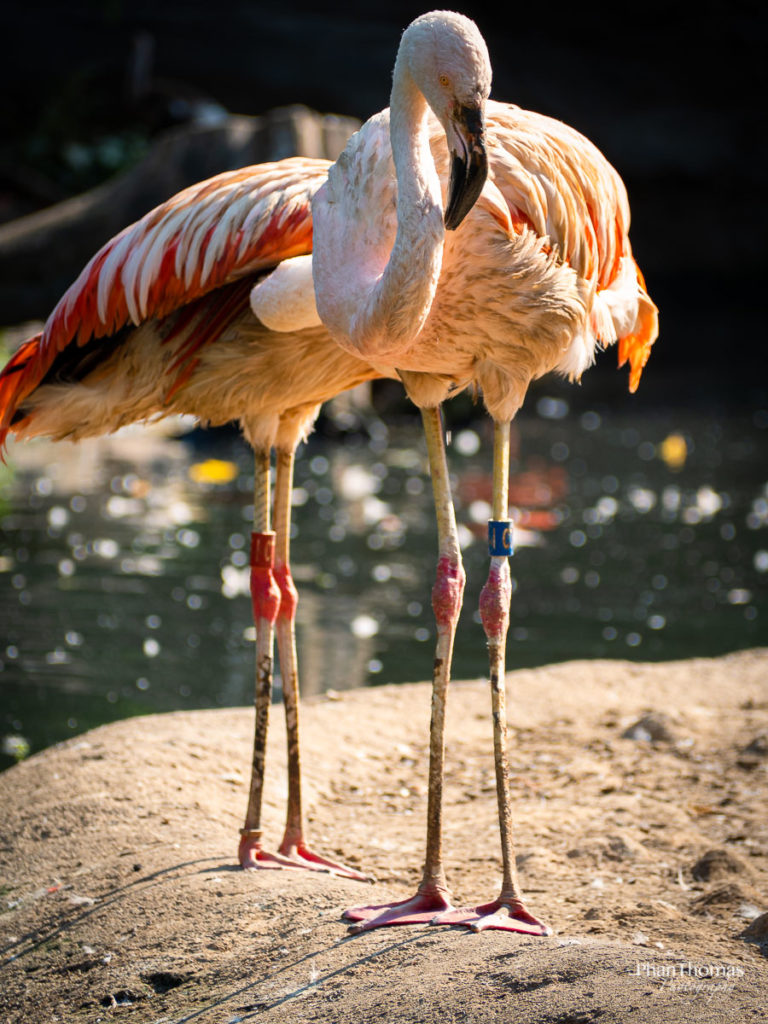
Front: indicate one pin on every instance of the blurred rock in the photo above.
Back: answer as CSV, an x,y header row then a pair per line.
x,y
758,746
753,755
718,864
41,254
757,931
653,727
726,898
624,848
612,848
538,860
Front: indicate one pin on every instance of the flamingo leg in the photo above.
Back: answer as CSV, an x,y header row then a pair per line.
x,y
294,846
432,899
507,912
265,596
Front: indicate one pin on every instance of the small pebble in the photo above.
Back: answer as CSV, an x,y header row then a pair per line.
x,y
722,897
758,930
81,901
653,727
758,746
753,755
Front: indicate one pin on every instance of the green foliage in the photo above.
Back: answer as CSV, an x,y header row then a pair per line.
x,y
15,746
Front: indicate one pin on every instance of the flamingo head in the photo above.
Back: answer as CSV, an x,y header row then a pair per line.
x,y
448,61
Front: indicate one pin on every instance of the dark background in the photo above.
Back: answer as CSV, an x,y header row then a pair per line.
x,y
674,95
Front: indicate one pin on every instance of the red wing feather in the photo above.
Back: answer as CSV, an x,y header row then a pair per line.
x,y
15,379
209,316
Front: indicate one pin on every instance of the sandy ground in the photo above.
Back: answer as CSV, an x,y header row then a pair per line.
x,y
121,898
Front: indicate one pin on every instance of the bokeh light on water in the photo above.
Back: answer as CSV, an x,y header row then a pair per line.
x,y
124,576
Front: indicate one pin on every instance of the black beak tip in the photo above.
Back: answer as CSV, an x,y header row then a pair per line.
x,y
468,175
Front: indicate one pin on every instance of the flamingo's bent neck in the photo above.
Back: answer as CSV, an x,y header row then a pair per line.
x,y
402,297
374,293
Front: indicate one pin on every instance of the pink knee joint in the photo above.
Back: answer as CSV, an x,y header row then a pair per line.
x,y
447,592
494,600
289,595
265,593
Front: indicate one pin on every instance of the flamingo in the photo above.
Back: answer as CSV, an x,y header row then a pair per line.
x,y
206,306
161,321
537,276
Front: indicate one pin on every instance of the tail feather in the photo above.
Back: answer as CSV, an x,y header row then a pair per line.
x,y
635,347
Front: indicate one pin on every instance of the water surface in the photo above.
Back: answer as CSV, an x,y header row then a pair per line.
x,y
123,575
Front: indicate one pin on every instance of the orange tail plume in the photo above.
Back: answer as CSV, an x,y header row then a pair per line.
x,y
635,348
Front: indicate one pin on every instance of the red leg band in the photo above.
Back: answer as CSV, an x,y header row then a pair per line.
x,y
263,550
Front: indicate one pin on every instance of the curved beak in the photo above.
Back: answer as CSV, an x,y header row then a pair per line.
x,y
469,166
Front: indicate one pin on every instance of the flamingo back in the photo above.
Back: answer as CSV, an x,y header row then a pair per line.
x,y
559,186
203,238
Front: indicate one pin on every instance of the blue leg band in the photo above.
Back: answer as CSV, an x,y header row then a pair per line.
x,y
500,537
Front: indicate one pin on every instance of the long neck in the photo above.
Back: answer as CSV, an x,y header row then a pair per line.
x,y
401,299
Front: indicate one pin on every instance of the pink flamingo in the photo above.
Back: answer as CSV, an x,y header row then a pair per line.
x,y
160,322
538,276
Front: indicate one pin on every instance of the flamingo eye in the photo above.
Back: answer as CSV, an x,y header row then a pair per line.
x,y
444,80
